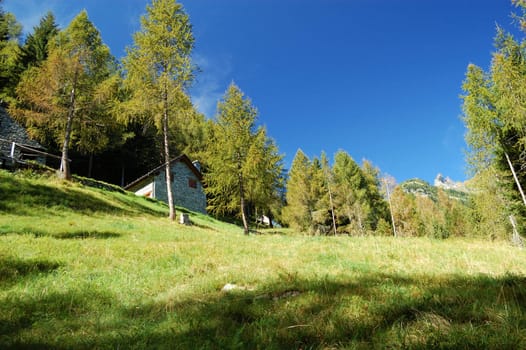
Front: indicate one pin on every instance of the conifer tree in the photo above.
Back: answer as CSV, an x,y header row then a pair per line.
x,y
319,192
10,32
35,49
68,95
379,208
300,203
266,188
243,163
493,111
159,69
329,186
350,193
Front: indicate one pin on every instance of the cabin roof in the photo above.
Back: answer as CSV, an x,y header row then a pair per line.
x,y
182,158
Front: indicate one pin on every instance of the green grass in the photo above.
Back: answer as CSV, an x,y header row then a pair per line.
x,y
85,268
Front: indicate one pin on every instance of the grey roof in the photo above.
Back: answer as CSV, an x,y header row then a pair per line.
x,y
182,158
12,131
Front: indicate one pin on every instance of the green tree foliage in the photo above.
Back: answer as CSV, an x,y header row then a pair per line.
x,y
10,31
301,201
321,215
420,213
357,197
267,185
159,69
489,203
188,131
35,49
70,94
493,111
315,192
379,212
243,163
405,213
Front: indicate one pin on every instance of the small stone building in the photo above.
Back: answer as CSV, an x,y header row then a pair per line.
x,y
187,185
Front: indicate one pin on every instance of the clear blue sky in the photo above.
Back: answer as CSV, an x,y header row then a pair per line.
x,y
380,79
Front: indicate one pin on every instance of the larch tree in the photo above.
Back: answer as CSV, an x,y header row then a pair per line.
x,y
158,71
243,163
10,32
379,207
318,191
68,93
350,193
301,205
265,188
494,104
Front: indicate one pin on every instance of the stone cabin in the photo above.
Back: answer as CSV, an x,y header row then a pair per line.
x,y
187,184
25,148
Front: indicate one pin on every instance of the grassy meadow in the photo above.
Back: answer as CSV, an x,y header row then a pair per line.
x,y
86,268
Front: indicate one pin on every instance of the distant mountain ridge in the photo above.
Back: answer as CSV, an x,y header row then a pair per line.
x,y
419,187
447,184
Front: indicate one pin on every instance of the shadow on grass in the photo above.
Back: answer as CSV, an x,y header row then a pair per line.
x,y
83,234
24,197
52,313
373,311
86,235
13,270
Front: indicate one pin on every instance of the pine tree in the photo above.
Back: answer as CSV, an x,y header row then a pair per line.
x,y
159,69
320,194
68,95
379,208
266,188
350,193
300,203
243,163
35,49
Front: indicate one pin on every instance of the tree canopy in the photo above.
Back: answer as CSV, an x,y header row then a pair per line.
x,y
67,95
243,163
158,70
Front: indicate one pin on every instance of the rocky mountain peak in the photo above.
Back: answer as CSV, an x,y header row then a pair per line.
x,y
447,184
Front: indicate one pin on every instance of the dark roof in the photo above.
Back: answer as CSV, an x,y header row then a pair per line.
x,y
182,158
11,131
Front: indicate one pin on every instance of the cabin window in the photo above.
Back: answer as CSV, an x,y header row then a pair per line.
x,y
192,183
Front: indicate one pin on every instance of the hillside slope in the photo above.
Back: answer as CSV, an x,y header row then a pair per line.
x,y
84,268
423,188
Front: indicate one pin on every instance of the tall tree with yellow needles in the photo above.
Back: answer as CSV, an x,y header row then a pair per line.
x,y
158,71
69,92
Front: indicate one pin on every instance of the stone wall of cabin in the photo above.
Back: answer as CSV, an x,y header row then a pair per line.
x,y
185,196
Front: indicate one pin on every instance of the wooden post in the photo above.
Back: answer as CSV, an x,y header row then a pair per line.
x,y
12,154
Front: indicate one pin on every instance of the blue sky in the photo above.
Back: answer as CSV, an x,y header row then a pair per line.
x,y
380,79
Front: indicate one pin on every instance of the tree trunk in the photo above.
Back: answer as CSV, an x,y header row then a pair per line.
x,y
90,164
243,206
390,206
122,174
331,203
171,206
516,178
270,224
65,171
